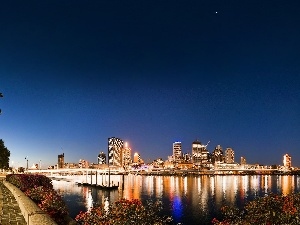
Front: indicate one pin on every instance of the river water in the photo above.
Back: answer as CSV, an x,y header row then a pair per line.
x,y
189,200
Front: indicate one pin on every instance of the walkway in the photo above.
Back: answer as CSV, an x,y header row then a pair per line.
x,y
10,213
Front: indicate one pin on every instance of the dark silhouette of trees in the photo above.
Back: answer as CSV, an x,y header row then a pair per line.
x,y
4,156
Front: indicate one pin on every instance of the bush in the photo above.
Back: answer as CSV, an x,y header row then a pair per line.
x,y
38,194
125,212
39,188
27,181
273,209
54,205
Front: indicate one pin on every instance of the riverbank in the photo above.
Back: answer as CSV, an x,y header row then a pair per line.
x,y
10,212
18,209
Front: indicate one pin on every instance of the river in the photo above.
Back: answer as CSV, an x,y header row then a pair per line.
x,y
189,200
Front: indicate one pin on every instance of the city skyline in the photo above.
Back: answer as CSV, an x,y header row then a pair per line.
x,y
74,73
109,159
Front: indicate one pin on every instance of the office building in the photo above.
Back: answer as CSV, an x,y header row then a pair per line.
x,y
126,156
229,155
243,161
287,161
217,155
200,155
137,158
177,153
115,146
61,161
101,158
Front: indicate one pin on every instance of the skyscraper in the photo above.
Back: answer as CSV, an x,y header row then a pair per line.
x,y
243,161
126,156
101,158
287,161
61,161
200,155
177,153
229,155
137,158
217,155
115,146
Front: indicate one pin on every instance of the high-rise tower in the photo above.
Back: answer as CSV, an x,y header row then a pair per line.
x,y
177,152
115,146
287,161
126,156
101,158
61,161
229,155
200,155
217,155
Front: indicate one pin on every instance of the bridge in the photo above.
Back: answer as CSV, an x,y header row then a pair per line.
x,y
87,172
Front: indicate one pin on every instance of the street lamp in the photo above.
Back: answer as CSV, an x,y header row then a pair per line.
x,y
27,162
40,164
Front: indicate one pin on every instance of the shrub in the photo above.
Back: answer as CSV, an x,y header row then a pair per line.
x,y
39,188
125,212
272,209
27,181
54,205
38,194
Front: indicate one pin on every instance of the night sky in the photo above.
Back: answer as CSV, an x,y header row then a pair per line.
x,y
74,73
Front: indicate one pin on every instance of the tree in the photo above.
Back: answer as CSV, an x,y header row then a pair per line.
x,y
4,156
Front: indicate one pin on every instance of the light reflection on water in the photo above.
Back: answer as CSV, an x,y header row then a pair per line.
x,y
190,200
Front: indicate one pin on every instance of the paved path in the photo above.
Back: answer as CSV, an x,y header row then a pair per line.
x,y
10,213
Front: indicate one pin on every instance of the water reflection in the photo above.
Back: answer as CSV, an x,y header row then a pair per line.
x,y
188,199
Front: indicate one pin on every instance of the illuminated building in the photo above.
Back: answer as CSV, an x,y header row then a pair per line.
x,y
101,158
126,156
177,154
287,161
217,155
187,157
158,162
243,161
61,161
137,158
200,155
115,146
229,155
83,163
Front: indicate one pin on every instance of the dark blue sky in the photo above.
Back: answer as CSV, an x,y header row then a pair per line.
x,y
74,73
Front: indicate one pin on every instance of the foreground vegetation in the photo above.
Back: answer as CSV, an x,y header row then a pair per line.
x,y
125,212
4,155
40,189
273,209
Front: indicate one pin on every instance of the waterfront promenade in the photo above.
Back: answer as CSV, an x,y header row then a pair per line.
x,y
10,212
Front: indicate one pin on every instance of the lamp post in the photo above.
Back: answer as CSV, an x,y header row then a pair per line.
x,y
1,96
27,163
40,164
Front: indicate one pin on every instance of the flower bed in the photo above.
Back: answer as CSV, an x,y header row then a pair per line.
x,y
39,188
